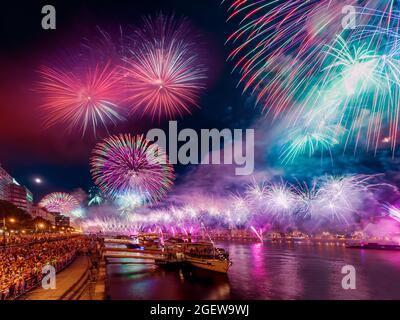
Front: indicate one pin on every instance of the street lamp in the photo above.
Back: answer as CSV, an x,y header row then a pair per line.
x,y
39,226
12,220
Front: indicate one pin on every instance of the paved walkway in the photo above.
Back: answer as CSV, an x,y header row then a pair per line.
x,y
64,281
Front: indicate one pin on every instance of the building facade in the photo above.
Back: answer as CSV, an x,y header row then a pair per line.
x,y
61,220
38,212
20,196
5,181
12,191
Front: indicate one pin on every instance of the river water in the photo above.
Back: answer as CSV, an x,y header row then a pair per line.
x,y
267,271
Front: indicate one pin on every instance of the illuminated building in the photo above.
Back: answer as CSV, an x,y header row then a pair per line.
x,y
38,212
5,181
20,196
61,220
12,191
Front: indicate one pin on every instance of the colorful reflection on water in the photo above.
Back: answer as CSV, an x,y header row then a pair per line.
x,y
267,271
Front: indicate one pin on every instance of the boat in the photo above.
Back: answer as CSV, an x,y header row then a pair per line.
x,y
373,245
149,241
205,255
170,260
134,246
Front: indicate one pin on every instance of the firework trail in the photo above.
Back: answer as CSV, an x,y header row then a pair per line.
x,y
60,202
80,99
239,212
281,201
339,199
258,234
330,202
78,213
367,83
163,73
295,54
279,44
393,212
95,197
110,225
124,164
308,141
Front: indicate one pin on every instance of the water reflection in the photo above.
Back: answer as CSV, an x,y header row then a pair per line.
x,y
154,283
265,271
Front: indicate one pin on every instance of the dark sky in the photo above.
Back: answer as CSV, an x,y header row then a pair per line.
x,y
26,149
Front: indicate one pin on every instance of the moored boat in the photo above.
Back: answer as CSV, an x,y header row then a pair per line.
x,y
373,245
149,241
206,256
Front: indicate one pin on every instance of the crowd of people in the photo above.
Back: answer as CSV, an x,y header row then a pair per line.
x,y
21,265
25,239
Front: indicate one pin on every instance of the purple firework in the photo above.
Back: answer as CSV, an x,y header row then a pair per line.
x,y
131,164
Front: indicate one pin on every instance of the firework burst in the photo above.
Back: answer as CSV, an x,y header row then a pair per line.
x,y
164,75
238,214
110,225
95,197
308,142
281,202
78,213
366,81
80,99
126,164
339,199
127,203
278,46
290,52
61,202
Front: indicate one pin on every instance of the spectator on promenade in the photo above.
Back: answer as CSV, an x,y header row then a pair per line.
x,y
21,265
24,239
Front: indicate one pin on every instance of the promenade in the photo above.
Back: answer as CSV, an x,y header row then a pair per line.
x,y
65,280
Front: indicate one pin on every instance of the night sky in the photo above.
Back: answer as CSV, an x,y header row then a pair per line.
x,y
28,150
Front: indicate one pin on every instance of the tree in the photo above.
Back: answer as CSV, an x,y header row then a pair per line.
x,y
39,224
9,211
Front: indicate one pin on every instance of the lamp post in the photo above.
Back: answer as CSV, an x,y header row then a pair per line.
x,y
39,226
12,220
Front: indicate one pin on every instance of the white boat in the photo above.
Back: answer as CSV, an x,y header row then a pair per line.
x,y
211,264
204,255
149,241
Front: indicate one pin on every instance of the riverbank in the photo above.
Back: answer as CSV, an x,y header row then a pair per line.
x,y
66,280
79,281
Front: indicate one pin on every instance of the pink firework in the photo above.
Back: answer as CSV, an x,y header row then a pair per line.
x,y
80,99
131,164
164,73
61,202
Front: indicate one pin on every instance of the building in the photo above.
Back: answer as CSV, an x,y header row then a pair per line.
x,y
20,196
38,212
5,181
12,191
61,220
